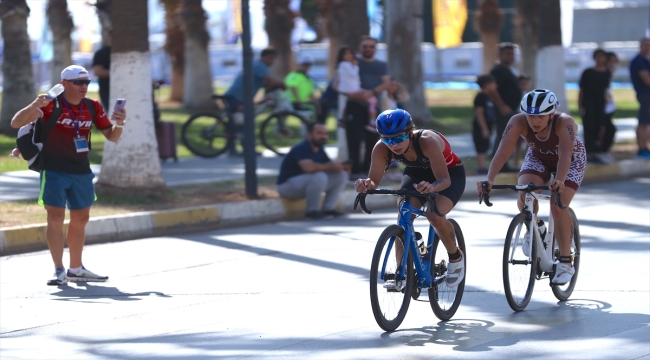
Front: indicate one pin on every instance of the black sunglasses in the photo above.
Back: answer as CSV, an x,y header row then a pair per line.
x,y
80,82
368,46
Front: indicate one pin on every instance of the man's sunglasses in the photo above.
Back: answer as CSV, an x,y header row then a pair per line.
x,y
368,46
80,82
395,139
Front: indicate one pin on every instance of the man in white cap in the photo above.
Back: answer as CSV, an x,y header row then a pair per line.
x,y
301,86
66,178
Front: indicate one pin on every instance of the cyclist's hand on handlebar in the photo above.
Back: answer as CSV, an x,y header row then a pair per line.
x,y
424,187
557,186
479,186
363,185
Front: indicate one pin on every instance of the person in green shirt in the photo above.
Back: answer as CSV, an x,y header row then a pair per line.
x,y
300,86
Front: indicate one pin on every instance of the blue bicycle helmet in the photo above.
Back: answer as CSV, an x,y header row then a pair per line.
x,y
395,121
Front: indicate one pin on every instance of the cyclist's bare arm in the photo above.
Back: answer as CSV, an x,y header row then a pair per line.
x,y
516,127
567,131
377,166
432,147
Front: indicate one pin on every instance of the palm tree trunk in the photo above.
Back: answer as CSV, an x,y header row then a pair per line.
x,y
18,89
404,34
104,8
198,77
332,11
526,22
550,72
60,22
487,22
278,26
175,47
131,165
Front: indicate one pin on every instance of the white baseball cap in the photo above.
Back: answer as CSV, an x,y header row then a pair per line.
x,y
74,72
306,59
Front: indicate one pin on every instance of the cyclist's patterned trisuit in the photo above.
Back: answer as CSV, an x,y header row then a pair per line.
x,y
420,169
542,156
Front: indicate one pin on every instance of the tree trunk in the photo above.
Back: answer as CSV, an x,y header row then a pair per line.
x,y
18,89
61,25
526,23
332,11
404,34
104,8
550,72
355,22
131,165
175,46
279,25
198,77
487,22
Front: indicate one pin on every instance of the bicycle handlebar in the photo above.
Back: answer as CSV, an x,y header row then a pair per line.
x,y
485,194
430,198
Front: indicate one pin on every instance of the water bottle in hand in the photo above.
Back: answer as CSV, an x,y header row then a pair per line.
x,y
55,91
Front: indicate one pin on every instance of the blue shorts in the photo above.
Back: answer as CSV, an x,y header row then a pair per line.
x,y
57,189
644,109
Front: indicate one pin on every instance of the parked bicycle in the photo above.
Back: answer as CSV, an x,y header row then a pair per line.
x,y
521,270
210,134
397,276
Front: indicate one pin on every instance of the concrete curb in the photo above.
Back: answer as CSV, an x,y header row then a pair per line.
x,y
22,239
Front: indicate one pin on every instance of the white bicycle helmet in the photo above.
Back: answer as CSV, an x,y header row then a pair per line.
x,y
539,102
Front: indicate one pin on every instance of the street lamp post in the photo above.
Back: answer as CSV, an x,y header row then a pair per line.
x,y
250,161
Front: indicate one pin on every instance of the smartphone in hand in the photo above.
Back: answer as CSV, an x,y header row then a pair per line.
x,y
119,103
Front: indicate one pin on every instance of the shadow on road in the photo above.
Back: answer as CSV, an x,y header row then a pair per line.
x,y
88,291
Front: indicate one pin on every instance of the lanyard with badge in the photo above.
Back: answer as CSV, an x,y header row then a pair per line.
x,y
80,142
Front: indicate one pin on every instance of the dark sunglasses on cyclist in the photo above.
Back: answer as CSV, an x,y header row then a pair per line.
x,y
80,82
395,139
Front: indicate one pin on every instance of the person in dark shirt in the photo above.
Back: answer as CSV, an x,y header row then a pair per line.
x,y
640,76
484,119
592,97
508,93
307,172
101,68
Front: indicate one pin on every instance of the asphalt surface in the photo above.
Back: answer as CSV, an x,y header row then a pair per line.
x,y
299,290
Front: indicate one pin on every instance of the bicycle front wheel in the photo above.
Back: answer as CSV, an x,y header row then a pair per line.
x,y
445,300
390,293
562,292
281,130
518,270
205,135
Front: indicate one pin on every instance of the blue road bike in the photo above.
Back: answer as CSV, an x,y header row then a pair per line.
x,y
397,276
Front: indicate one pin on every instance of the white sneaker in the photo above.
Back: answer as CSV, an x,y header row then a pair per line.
x,y
85,275
563,274
455,272
59,278
605,158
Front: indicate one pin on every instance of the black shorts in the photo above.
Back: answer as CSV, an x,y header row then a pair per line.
x,y
481,144
413,175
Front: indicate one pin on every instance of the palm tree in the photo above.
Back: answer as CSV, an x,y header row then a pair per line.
x,y
550,57
404,33
487,22
131,166
104,8
175,46
279,25
526,23
18,89
198,77
346,21
61,25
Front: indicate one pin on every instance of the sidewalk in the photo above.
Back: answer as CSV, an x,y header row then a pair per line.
x,y
24,185
22,239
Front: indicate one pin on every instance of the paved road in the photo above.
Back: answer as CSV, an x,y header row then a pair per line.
x,y
300,290
23,185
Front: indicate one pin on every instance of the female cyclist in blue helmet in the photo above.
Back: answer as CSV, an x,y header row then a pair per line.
x,y
553,146
431,166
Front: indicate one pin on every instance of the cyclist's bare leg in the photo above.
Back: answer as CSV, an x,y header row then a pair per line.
x,y
563,222
526,179
443,227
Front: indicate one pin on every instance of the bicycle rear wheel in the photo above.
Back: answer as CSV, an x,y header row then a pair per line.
x,y
518,271
445,300
281,130
390,301
562,292
205,135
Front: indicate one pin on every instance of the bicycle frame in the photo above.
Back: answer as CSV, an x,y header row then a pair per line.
x,y
544,250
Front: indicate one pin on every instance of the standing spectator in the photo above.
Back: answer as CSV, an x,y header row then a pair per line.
x,y
524,85
101,68
235,94
594,82
484,119
608,130
307,172
300,86
329,100
373,74
66,177
640,75
508,94
394,96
